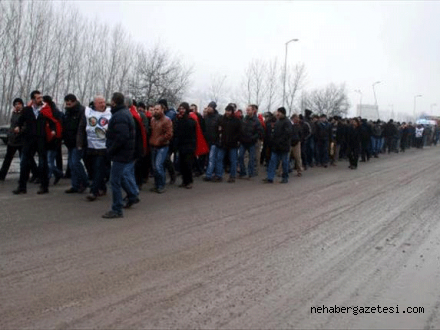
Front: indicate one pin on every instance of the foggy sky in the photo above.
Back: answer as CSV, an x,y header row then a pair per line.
x,y
395,42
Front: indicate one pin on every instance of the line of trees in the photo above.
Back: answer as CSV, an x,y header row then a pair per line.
x,y
263,84
53,48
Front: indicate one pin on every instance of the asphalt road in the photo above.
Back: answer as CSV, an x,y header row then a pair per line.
x,y
232,256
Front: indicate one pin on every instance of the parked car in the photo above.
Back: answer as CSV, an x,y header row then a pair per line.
x,y
4,130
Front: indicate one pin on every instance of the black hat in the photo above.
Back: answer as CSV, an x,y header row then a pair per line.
x,y
164,103
212,104
308,112
282,110
185,105
230,107
18,100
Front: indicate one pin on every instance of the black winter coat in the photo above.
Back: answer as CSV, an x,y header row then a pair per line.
x,y
323,131
71,120
121,135
251,130
211,123
281,136
185,135
353,137
228,132
296,134
32,127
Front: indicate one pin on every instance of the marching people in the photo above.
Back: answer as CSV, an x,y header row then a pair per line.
x,y
280,142
120,134
15,143
295,149
161,135
185,141
32,125
120,145
227,137
50,111
354,141
72,116
322,138
252,131
91,136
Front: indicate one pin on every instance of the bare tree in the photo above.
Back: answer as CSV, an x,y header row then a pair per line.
x,y
331,100
295,79
254,84
217,88
158,74
50,46
272,84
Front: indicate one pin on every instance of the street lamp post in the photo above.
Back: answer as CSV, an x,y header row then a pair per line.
x,y
415,98
360,101
285,71
375,98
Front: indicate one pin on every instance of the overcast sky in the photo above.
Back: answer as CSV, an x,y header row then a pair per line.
x,y
356,42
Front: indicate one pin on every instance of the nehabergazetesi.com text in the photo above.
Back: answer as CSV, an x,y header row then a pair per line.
x,y
355,310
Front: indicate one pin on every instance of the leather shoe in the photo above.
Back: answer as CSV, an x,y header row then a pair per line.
x,y
19,191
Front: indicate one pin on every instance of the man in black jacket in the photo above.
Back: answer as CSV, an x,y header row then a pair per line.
x,y
228,131
74,113
323,133
251,132
280,142
15,142
120,145
32,125
185,142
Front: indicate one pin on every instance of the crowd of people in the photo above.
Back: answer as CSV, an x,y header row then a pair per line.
x,y
125,143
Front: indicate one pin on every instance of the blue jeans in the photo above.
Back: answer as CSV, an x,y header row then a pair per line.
x,y
118,175
275,158
53,169
79,176
212,161
130,179
215,164
251,164
159,155
232,158
375,145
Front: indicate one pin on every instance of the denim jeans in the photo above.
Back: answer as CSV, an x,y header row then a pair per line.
x,y
79,176
232,158
375,145
118,174
275,158
99,164
159,155
53,169
212,161
129,180
252,159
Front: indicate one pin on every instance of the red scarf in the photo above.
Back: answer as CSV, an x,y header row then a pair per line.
x,y
138,118
201,145
46,112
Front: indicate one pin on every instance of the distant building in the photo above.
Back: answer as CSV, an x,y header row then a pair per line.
x,y
367,111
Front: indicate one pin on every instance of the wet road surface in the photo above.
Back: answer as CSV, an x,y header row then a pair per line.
x,y
232,256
